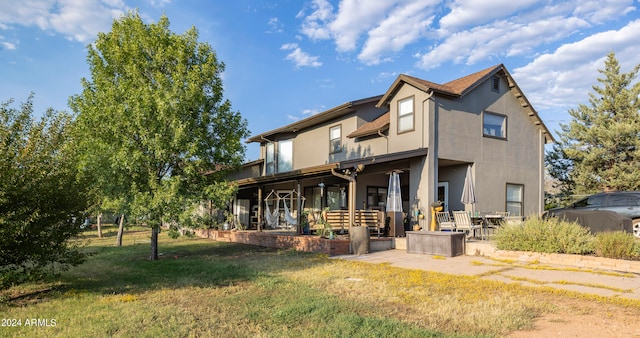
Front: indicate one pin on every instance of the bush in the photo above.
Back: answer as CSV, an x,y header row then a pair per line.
x,y
545,235
617,245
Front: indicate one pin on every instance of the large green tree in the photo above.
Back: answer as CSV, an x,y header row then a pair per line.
x,y
41,198
157,133
599,149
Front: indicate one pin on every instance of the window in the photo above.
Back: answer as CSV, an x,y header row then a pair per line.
x,y
270,158
515,199
335,139
494,125
336,198
590,202
313,198
495,84
285,156
619,200
405,115
280,160
376,197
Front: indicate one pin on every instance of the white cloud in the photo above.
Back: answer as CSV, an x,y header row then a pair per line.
x,y
465,13
467,31
598,11
403,26
7,45
313,111
275,26
513,36
378,28
564,78
354,18
385,77
314,25
300,58
79,20
158,3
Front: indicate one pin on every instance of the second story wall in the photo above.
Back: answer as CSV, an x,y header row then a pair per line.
x,y
327,142
408,123
487,126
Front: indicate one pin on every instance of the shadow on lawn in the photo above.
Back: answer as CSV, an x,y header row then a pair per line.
x,y
181,263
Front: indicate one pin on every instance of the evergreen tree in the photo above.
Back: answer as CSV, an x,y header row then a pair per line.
x,y
599,150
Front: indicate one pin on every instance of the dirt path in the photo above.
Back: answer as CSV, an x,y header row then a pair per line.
x,y
581,318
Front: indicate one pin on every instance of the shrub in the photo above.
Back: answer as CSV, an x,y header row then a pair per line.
x,y
617,245
545,235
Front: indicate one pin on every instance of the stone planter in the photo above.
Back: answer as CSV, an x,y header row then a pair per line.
x,y
448,244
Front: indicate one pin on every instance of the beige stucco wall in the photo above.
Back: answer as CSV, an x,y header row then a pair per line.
x,y
311,146
418,138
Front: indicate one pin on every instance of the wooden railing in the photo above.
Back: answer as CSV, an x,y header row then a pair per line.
x,y
372,219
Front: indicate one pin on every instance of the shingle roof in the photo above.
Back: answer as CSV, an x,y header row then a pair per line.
x,y
456,87
371,128
462,86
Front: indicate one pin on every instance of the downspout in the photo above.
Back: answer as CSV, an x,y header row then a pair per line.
x,y
541,177
259,225
386,138
299,209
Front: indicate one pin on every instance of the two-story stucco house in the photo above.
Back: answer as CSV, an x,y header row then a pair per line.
x,y
430,133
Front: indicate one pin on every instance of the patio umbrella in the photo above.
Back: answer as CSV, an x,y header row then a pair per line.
x,y
468,191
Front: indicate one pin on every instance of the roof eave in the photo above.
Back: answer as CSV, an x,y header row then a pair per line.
x,y
524,102
402,78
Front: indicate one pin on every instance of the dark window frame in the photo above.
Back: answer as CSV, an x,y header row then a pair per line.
x,y
503,127
508,202
495,84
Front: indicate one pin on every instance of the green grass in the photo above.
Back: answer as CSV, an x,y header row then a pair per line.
x,y
204,288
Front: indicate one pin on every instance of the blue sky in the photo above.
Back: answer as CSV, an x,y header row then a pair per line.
x,y
286,60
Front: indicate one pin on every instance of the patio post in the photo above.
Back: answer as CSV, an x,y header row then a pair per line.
x,y
259,225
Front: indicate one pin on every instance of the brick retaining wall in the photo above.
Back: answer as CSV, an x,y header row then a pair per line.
x,y
278,240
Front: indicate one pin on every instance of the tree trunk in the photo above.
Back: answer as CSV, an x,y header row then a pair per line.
x,y
154,243
120,231
99,225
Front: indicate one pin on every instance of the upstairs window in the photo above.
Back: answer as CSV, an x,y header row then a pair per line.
x,y
279,157
285,156
335,139
494,125
270,158
405,115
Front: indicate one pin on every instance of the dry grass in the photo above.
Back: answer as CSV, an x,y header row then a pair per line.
x,y
204,288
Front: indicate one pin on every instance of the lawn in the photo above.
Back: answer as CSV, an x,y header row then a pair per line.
x,y
204,288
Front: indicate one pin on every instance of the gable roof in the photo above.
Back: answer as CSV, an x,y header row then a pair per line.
x,y
313,120
462,86
374,127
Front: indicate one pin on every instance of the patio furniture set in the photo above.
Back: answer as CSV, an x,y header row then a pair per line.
x,y
464,221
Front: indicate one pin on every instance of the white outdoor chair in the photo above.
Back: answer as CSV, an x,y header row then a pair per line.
x,y
463,223
445,222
